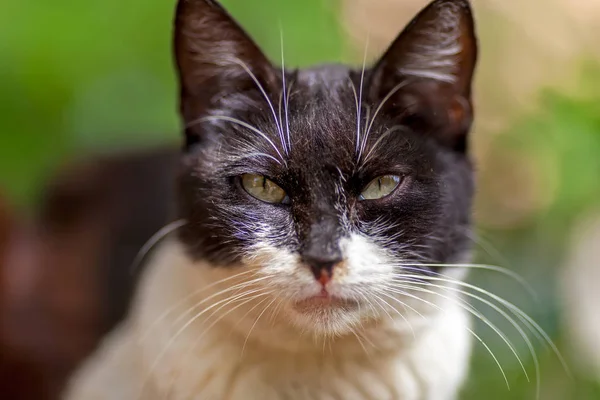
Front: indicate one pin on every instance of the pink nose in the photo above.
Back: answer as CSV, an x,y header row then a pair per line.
x,y
323,276
322,267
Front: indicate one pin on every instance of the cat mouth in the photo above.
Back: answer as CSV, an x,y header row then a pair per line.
x,y
324,301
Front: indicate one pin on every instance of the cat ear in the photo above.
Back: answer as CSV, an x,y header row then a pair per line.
x,y
425,75
214,57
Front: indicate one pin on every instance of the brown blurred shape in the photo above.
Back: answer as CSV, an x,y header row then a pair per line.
x,y
67,277
20,375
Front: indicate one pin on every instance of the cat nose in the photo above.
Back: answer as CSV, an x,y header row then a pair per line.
x,y
322,267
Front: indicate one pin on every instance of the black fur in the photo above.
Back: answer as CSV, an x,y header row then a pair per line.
x,y
323,173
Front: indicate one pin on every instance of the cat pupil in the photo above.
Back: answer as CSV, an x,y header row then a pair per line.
x,y
262,188
380,187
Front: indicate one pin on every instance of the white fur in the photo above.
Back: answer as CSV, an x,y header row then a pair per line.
x,y
265,348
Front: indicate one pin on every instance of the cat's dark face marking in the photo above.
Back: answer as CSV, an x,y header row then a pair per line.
x,y
414,115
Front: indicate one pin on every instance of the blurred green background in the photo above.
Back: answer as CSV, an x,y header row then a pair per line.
x,y
85,77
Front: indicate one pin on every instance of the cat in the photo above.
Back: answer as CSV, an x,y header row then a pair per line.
x,y
314,208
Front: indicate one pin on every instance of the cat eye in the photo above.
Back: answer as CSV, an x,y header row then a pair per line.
x,y
380,187
264,189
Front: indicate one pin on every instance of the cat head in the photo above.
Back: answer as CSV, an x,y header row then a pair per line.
x,y
339,186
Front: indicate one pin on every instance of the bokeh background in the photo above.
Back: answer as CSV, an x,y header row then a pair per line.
x,y
83,78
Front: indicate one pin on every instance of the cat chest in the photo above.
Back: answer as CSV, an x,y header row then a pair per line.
x,y
219,375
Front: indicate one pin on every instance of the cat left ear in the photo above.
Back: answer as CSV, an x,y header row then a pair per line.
x,y
215,58
425,75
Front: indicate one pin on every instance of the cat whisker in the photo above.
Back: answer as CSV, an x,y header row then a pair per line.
x,y
353,87
186,298
154,240
213,305
279,105
243,300
442,277
505,271
365,138
403,304
476,313
435,306
261,293
215,312
275,311
360,97
515,310
374,313
378,141
508,318
285,95
424,280
381,104
360,342
241,123
267,99
397,311
248,155
362,329
174,337
374,305
253,325
485,245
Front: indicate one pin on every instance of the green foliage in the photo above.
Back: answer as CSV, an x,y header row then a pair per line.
x,y
98,76
563,139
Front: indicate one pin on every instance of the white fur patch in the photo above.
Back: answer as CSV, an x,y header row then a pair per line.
x,y
184,340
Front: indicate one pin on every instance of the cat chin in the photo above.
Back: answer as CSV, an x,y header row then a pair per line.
x,y
326,321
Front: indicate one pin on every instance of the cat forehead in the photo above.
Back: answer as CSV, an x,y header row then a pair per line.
x,y
321,121
318,114
327,76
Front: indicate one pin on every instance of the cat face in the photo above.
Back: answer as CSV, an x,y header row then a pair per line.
x,y
338,185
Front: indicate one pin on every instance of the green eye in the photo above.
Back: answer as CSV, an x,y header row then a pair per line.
x,y
263,189
380,187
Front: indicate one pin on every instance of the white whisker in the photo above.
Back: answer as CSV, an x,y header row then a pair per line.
x,y
518,312
514,309
356,335
398,312
266,97
476,313
254,324
241,123
243,300
256,155
505,271
360,96
380,106
479,339
174,337
285,95
509,319
378,141
186,298
154,240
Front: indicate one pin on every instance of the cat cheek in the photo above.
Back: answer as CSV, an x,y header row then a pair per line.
x,y
282,265
365,257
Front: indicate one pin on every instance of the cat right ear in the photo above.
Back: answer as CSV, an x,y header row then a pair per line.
x,y
425,76
215,58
